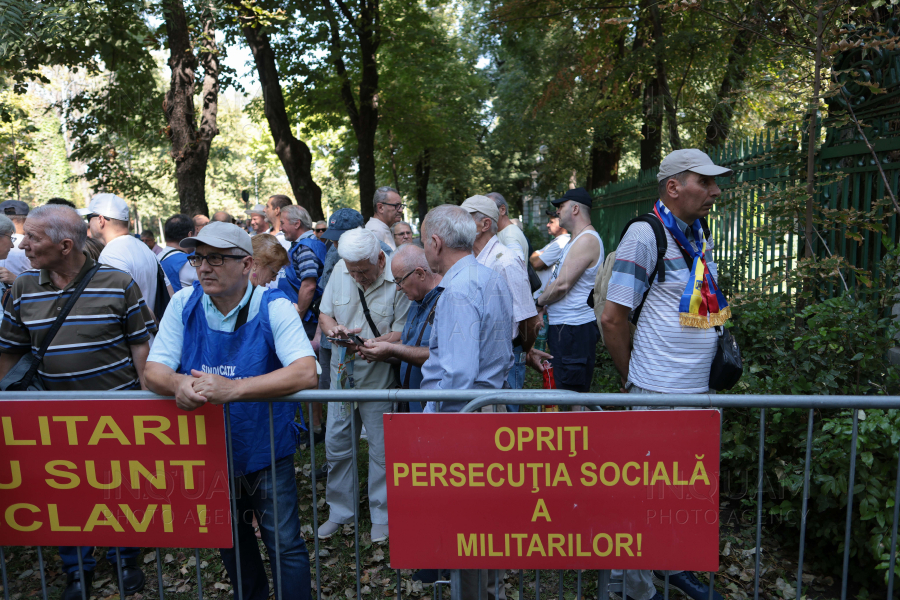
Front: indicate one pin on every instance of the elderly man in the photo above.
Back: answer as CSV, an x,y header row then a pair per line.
x,y
222,216
54,242
361,298
491,253
320,228
16,262
149,238
470,346
258,223
258,335
173,259
273,216
7,230
573,332
107,217
200,221
508,232
388,210
402,233
415,279
307,260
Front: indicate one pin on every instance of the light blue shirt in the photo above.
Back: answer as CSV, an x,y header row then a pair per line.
x,y
470,347
291,342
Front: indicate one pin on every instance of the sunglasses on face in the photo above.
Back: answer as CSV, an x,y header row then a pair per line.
x,y
323,230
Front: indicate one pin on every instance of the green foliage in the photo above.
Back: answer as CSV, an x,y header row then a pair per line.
x,y
16,145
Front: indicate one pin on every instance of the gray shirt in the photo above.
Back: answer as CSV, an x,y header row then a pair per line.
x,y
470,347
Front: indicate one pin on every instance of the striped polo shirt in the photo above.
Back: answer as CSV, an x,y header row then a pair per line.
x,y
91,351
667,357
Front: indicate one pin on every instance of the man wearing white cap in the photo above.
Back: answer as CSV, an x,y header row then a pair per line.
x,y
675,341
258,223
227,340
494,255
107,217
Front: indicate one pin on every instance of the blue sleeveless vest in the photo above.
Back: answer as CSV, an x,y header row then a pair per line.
x,y
290,283
247,352
171,265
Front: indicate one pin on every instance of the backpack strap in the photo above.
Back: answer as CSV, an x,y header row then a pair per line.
x,y
662,245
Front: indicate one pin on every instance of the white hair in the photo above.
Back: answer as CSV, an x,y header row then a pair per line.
x,y
411,257
381,194
452,224
7,227
499,200
359,244
479,217
61,223
294,213
400,223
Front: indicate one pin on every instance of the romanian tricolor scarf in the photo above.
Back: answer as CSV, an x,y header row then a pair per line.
x,y
702,303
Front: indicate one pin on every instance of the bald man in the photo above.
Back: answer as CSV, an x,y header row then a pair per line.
x,y
222,216
200,221
411,272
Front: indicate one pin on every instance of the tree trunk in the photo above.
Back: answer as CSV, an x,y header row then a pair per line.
x,y
294,154
663,79
651,129
364,116
605,154
423,173
719,126
190,147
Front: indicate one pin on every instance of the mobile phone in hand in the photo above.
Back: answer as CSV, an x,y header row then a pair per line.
x,y
356,339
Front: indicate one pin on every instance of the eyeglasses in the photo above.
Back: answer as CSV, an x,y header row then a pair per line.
x,y
399,205
215,259
404,234
400,281
321,230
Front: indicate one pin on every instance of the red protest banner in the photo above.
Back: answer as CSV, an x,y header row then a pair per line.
x,y
588,490
113,473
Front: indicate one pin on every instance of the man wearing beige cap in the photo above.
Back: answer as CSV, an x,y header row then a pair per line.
x,y
494,255
107,217
675,340
227,340
258,223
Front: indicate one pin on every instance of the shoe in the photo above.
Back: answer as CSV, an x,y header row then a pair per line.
x,y
429,576
689,585
132,576
322,472
379,533
318,437
74,585
328,529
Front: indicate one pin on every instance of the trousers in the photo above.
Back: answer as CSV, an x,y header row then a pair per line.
x,y
339,443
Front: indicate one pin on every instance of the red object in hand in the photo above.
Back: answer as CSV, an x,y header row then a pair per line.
x,y
549,381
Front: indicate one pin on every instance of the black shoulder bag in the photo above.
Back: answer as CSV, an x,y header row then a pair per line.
x,y
23,377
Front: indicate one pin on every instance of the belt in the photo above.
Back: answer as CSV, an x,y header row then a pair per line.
x,y
517,341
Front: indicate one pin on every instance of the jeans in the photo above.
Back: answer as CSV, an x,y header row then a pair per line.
x,y
254,492
69,556
516,377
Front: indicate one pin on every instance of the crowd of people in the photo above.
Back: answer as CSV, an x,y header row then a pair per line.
x,y
222,312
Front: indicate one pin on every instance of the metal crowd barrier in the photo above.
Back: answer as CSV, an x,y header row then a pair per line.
x,y
479,399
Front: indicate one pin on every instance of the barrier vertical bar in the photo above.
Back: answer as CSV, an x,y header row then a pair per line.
x,y
456,585
40,554
521,584
3,572
199,578
561,573
398,581
578,586
850,483
355,468
666,587
893,560
496,585
84,592
712,584
479,583
809,433
602,585
537,584
759,499
625,583
312,472
275,507
234,512
159,577
119,573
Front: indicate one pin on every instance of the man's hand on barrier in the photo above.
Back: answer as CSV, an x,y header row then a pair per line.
x,y
535,357
214,388
185,396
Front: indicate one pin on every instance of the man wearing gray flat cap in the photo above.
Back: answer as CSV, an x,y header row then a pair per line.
x,y
675,340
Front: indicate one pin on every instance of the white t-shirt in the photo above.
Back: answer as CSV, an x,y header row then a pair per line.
x,y
283,241
501,259
131,255
511,237
550,255
187,275
382,232
16,262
